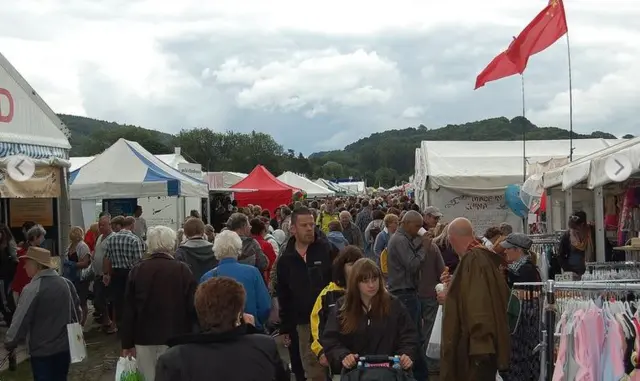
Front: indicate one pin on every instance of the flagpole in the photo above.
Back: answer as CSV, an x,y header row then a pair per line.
x,y
524,133
570,100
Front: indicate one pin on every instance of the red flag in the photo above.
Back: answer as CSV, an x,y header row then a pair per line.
x,y
499,68
542,32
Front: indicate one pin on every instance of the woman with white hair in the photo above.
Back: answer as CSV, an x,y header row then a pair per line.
x,y
227,247
158,303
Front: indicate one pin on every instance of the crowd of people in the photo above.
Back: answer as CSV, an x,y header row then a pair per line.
x,y
334,280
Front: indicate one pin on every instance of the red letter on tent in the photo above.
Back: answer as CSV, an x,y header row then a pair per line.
x,y
8,117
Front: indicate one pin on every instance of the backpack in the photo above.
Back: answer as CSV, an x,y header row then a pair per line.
x,y
373,232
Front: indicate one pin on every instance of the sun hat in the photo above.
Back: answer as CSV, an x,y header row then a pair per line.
x,y
40,256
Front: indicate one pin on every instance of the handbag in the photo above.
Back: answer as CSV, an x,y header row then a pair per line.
x,y
75,334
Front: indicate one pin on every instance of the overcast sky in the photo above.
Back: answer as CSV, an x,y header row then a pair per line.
x,y
319,75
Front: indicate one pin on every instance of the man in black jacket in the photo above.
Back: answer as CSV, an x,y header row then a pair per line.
x,y
304,269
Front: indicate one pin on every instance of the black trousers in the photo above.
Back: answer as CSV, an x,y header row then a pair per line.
x,y
117,287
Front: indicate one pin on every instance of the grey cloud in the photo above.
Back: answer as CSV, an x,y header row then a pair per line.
x,y
437,73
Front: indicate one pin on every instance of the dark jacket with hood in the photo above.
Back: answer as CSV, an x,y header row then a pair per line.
x,y
197,253
299,283
237,355
394,334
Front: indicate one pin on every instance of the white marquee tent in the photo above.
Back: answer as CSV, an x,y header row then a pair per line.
x,y
468,178
127,170
312,189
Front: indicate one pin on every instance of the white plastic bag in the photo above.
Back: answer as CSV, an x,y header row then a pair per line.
x,y
498,378
433,348
127,369
77,347
75,334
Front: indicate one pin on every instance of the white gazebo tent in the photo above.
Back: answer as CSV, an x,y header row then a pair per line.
x,y
313,190
224,179
127,170
468,178
565,186
30,129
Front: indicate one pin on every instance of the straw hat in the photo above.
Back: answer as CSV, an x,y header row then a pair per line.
x,y
39,255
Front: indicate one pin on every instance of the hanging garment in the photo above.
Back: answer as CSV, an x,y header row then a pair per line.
x,y
525,365
611,361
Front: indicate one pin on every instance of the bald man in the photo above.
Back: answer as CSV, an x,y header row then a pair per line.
x,y
405,254
350,230
475,331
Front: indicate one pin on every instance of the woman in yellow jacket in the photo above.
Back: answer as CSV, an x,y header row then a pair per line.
x,y
329,295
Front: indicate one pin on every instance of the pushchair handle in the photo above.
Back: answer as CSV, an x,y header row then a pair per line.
x,y
378,359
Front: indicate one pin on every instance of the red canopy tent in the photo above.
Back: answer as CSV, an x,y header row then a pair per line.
x,y
271,192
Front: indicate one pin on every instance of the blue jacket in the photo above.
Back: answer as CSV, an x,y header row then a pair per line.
x,y
258,301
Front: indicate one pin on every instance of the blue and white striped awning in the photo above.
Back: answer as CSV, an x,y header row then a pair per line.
x,y
32,151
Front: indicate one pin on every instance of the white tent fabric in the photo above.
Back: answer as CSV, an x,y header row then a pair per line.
x,y
312,189
170,159
490,165
468,178
224,179
127,170
590,168
173,159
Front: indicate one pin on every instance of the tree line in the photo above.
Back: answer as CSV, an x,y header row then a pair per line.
x,y
382,159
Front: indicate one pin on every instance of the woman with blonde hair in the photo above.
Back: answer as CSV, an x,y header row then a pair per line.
x,y
76,259
368,320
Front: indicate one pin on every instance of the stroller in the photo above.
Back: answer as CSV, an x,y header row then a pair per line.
x,y
376,368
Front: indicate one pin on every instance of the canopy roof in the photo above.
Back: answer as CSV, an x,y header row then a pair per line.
x,y
270,194
590,168
491,165
127,170
27,125
312,189
224,179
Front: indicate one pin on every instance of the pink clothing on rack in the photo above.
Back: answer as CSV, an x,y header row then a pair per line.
x,y
561,358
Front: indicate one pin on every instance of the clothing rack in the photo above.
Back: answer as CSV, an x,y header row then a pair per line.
x,y
550,287
612,265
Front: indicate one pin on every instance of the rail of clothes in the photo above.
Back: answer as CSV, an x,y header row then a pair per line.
x,y
599,335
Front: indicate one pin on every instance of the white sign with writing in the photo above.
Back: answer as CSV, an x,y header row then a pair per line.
x,y
482,209
191,169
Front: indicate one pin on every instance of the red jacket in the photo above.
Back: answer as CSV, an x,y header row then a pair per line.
x,y
90,239
267,249
21,279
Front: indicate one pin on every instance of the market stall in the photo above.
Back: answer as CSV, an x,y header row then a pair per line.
x,y
126,171
271,192
31,130
612,204
469,178
312,189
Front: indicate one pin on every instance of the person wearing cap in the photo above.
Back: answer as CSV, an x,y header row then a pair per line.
x,y
47,304
523,316
521,261
432,216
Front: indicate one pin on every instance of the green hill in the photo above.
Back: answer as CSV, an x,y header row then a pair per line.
x,y
384,158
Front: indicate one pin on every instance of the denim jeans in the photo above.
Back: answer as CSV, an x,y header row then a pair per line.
x,y
51,368
412,304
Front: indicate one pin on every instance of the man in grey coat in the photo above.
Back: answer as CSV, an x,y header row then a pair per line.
x,y
405,254
251,252
46,305
350,230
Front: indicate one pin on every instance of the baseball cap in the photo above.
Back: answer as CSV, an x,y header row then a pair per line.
x,y
517,240
432,210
